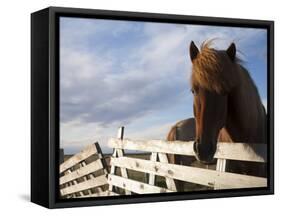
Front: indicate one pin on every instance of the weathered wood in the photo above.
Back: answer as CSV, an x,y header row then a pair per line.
x,y
91,183
211,178
124,172
153,157
120,133
221,165
103,193
232,151
135,186
161,146
120,153
169,181
79,179
85,153
74,182
69,183
85,177
102,158
85,170
242,151
112,169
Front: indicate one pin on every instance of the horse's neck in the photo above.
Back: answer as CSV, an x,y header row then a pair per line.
x,y
246,117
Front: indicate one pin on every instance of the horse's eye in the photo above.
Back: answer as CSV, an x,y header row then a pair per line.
x,y
193,91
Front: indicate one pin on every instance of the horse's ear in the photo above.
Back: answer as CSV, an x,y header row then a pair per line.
x,y
193,51
231,51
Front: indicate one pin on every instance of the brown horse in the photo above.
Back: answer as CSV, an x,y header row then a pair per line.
x,y
226,103
185,130
226,97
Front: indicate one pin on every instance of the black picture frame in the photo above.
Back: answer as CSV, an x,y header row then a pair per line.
x,y
45,105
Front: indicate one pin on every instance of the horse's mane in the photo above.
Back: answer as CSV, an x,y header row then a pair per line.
x,y
213,69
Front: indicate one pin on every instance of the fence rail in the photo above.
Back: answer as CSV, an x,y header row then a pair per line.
x,y
230,151
196,175
84,174
158,165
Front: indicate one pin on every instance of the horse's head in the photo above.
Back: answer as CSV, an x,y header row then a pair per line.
x,y
213,77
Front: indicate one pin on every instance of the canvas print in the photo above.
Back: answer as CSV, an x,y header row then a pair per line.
x,y
149,107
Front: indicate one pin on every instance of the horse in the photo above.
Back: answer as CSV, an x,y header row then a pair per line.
x,y
224,96
184,130
226,103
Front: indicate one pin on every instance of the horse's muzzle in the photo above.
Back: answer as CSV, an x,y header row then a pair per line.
x,y
204,153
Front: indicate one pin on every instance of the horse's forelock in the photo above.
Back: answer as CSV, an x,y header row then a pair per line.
x,y
212,69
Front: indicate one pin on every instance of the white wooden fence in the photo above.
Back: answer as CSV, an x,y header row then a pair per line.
x,y
158,165
84,174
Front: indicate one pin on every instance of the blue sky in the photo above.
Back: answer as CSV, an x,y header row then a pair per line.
x,y
136,74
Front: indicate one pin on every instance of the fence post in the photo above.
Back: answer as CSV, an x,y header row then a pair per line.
x,y
151,178
169,181
120,134
119,153
221,167
61,159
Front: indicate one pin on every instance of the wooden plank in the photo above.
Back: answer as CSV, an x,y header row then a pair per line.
x,y
91,183
120,133
201,176
232,151
151,180
91,175
120,153
85,153
85,170
169,181
74,182
124,172
103,193
221,165
112,169
135,186
161,146
102,158
242,151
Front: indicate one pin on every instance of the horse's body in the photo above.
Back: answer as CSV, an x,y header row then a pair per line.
x,y
183,131
227,105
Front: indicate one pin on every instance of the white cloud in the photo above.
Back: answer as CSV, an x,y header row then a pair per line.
x,y
105,84
76,135
129,88
153,132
